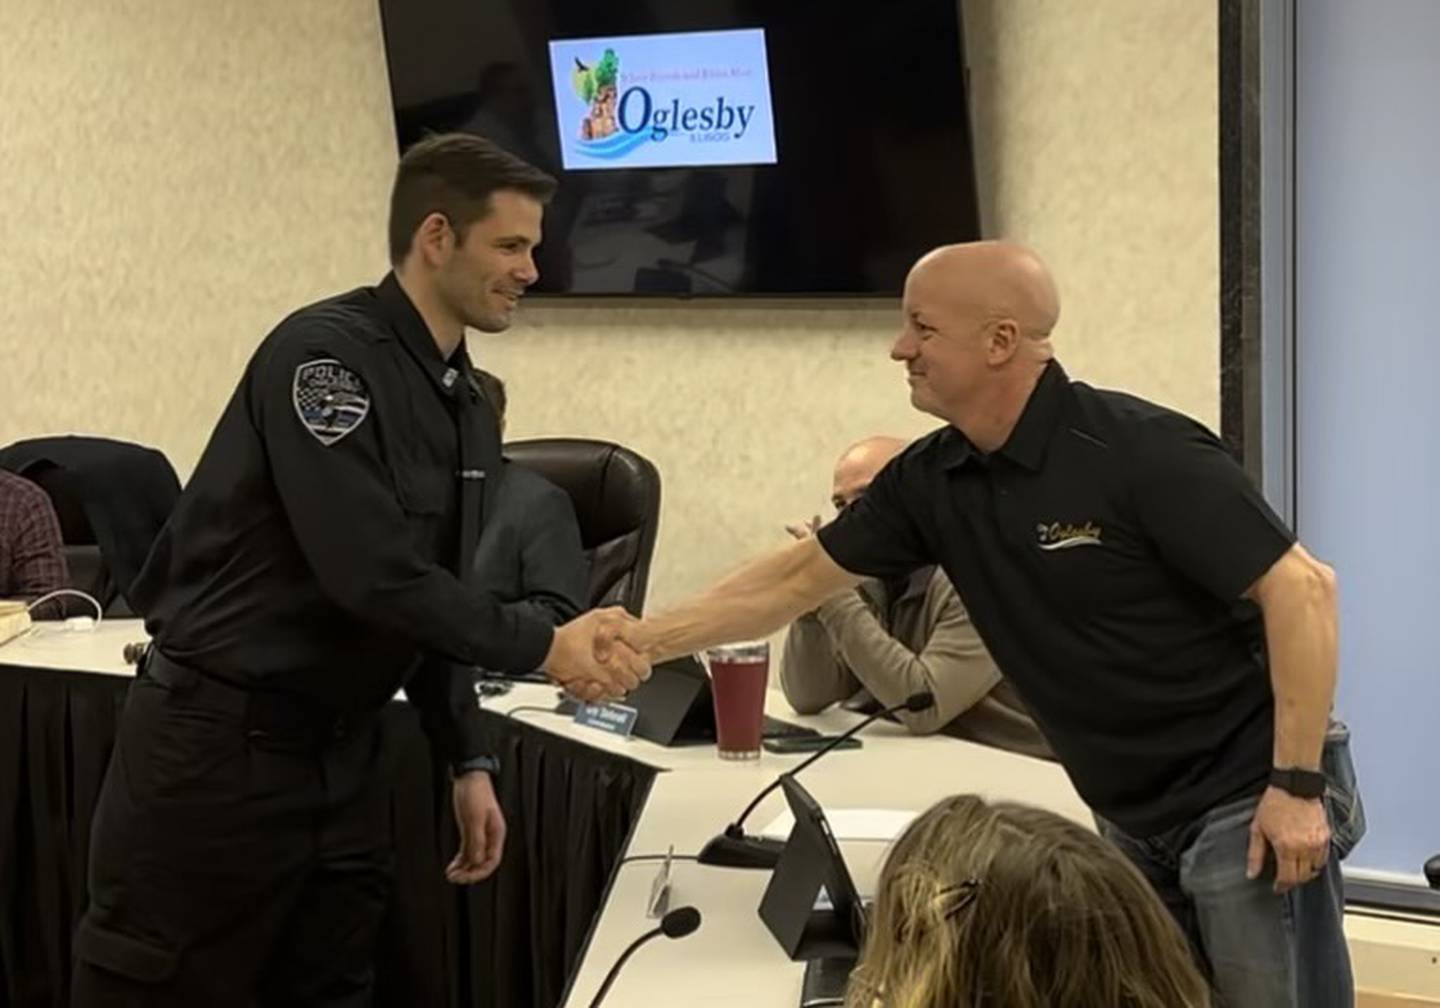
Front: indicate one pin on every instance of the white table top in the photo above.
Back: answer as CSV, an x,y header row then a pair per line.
x,y
688,804
50,645
702,794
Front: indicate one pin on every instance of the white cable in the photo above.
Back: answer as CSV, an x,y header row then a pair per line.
x,y
99,609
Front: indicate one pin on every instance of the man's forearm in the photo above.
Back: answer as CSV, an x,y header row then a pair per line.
x,y
810,673
753,602
1300,633
952,665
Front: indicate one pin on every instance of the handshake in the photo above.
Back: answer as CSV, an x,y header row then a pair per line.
x,y
598,655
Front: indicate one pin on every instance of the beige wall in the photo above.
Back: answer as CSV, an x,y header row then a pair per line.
x,y
1098,127
174,176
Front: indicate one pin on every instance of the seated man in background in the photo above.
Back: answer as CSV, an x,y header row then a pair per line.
x,y
884,641
1006,904
31,561
530,553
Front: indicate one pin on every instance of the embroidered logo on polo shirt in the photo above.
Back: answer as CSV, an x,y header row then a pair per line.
x,y
1065,535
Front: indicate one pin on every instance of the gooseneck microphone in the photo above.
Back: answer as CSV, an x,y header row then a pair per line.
x,y
733,849
676,924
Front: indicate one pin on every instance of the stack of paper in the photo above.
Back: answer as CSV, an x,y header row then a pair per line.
x,y
14,619
850,824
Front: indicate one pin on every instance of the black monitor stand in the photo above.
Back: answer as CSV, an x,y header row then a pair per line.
x,y
811,864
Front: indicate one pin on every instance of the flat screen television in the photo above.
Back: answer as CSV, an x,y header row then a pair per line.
x,y
709,147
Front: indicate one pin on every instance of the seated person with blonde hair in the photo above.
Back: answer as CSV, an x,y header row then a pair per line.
x,y
1010,906
883,641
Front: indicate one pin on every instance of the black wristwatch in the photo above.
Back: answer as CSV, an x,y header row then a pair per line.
x,y
1300,783
489,764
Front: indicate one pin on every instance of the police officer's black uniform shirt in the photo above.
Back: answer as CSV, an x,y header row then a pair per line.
x,y
316,547
1102,553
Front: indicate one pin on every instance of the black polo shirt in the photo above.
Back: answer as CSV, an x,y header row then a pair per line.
x,y
322,544
1102,553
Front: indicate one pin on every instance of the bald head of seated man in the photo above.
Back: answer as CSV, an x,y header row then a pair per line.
x,y
873,646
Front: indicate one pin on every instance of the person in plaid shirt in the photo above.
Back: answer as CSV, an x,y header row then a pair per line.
x,y
31,562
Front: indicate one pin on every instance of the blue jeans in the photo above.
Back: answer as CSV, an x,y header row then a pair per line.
x,y
1259,949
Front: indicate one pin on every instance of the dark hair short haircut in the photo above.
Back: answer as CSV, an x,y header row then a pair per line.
x,y
454,174
494,391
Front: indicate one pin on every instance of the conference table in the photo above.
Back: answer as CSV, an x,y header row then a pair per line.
x,y
579,802
733,959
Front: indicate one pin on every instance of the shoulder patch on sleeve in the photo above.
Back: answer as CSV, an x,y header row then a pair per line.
x,y
330,399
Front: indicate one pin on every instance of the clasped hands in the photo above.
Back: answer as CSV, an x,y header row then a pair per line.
x,y
598,655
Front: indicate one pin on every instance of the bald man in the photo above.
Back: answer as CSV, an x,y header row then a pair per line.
x,y
1165,627
892,637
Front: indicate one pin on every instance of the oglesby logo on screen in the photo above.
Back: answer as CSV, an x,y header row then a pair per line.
x,y
697,98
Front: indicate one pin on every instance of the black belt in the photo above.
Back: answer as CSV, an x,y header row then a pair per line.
x,y
265,714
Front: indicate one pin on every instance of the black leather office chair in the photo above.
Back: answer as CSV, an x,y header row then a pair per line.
x,y
87,568
111,497
616,493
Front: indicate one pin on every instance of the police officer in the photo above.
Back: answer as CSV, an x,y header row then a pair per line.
x,y
312,568
1172,639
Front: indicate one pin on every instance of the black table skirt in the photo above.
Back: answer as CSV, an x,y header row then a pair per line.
x,y
509,942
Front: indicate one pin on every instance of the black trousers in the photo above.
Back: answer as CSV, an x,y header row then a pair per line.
x,y
240,853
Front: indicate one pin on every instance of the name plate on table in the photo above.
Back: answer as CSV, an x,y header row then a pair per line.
x,y
617,719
